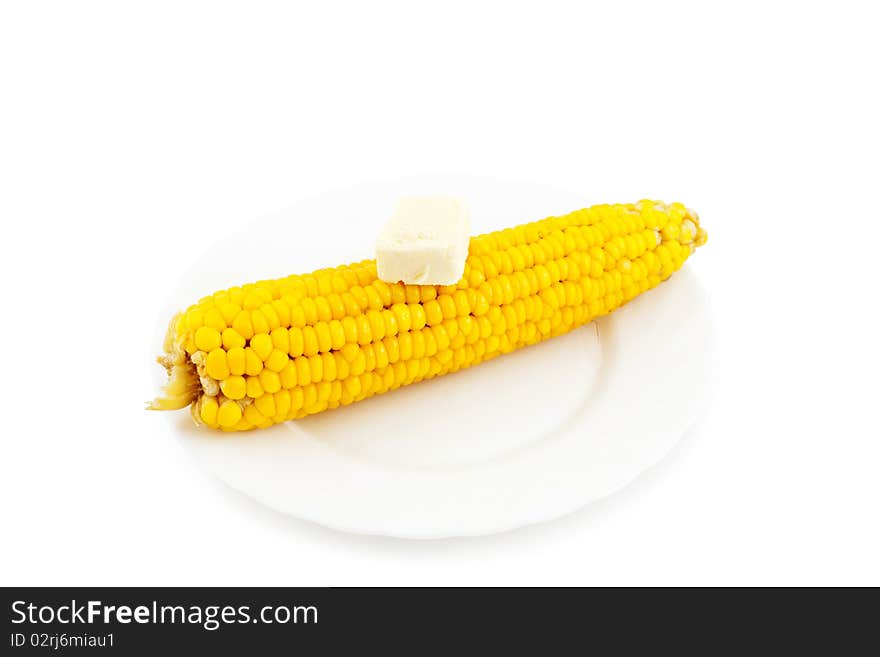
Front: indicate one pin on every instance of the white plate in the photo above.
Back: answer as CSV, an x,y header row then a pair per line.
x,y
525,438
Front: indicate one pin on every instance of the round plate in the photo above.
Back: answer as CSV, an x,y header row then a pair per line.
x,y
524,438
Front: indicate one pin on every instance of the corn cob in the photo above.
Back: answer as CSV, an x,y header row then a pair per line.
x,y
278,350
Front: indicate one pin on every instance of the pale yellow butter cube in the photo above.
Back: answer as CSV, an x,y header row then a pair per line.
x,y
425,242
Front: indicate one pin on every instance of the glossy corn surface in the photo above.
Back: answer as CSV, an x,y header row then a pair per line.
x,y
278,350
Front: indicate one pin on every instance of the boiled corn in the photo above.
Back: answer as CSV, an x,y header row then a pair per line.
x,y
278,350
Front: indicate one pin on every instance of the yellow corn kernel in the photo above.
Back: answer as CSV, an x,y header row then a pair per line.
x,y
350,328
277,360
322,334
456,338
216,365
322,307
194,318
480,305
466,324
228,414
207,338
430,342
360,297
461,303
328,366
228,310
398,293
316,368
337,307
373,298
350,303
369,358
441,337
270,381
234,387
418,345
377,324
402,316
392,348
303,371
417,314
342,368
381,355
282,311
296,399
208,410
288,375
297,315
384,291
310,341
337,334
253,416
281,339
349,351
447,306
352,385
243,325
214,319
253,364
310,310
262,346
364,333
405,346
389,323
358,364
232,339
253,387
282,405
412,294
295,341
485,326
266,405
260,322
433,313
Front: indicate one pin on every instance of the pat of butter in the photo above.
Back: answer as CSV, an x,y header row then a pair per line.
x,y
425,242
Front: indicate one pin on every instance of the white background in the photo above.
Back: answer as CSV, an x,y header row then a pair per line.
x,y
132,134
